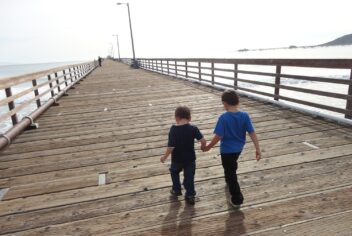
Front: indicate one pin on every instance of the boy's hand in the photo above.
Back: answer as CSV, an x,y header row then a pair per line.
x,y
203,144
206,148
258,155
162,159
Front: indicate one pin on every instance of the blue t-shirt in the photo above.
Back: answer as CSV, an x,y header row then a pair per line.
x,y
181,138
232,128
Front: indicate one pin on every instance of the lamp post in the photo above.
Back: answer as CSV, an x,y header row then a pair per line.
x,y
134,62
118,46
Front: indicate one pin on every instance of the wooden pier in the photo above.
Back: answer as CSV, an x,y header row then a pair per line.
x,y
116,123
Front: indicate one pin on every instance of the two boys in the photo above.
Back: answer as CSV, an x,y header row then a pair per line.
x,y
230,130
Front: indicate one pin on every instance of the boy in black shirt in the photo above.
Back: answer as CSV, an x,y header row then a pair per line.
x,y
181,146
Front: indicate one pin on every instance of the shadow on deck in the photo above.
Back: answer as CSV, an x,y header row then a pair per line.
x,y
117,121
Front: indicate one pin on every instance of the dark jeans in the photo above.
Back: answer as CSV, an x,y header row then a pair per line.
x,y
189,170
229,162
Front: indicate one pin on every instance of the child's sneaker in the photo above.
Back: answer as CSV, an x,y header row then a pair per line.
x,y
175,194
190,200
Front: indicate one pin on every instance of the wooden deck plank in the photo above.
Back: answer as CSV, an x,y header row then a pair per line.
x,y
111,136
264,186
252,219
159,181
210,222
34,168
52,172
333,224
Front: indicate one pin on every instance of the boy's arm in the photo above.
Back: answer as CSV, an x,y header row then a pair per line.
x,y
203,144
213,142
256,144
167,154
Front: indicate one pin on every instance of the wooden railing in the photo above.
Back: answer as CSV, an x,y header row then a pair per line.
x,y
52,83
211,71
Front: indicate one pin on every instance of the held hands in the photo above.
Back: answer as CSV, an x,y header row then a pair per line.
x,y
206,148
202,147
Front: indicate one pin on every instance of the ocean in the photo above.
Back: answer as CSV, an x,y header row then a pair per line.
x,y
21,69
341,52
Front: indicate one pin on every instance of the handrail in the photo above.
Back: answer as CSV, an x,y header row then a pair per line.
x,y
15,80
205,70
55,82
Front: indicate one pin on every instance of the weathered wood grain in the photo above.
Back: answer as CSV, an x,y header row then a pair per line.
x,y
52,172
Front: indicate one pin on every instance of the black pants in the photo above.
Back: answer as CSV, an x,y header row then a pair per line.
x,y
229,162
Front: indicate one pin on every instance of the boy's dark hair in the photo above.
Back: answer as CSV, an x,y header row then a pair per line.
x,y
183,112
230,97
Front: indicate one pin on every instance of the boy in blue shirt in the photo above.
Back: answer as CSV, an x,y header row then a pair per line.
x,y
231,129
181,146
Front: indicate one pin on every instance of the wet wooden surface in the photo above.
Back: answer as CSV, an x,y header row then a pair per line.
x,y
117,121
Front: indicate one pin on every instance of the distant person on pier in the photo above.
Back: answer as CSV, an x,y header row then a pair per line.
x,y
183,156
231,129
99,61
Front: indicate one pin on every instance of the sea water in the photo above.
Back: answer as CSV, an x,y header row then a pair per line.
x,y
7,71
336,52
21,69
333,52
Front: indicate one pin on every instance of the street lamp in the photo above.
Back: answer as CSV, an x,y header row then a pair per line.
x,y
134,62
118,47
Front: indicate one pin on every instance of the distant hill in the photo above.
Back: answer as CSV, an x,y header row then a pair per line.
x,y
344,40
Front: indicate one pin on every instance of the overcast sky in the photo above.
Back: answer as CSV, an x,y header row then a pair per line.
x,y
34,31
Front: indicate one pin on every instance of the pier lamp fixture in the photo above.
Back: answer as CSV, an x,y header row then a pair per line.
x,y
134,62
118,46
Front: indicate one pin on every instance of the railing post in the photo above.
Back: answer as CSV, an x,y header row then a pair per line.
x,y
168,67
36,92
277,82
75,72
348,114
69,71
212,73
11,105
175,68
186,68
79,72
235,76
199,71
82,70
51,86
57,82
161,65
64,73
